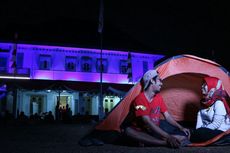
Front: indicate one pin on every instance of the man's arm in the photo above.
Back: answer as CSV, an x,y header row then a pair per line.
x,y
170,119
154,127
172,141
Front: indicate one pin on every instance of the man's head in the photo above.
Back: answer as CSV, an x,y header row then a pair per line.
x,y
151,77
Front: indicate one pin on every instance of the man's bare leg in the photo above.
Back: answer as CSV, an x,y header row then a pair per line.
x,y
144,137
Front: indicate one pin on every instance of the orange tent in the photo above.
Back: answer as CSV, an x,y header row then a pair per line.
x,y
182,78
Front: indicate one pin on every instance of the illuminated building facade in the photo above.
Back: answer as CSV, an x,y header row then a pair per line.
x,y
43,77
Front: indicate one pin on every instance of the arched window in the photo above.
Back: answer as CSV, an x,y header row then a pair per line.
x,y
123,66
45,62
86,64
70,63
103,67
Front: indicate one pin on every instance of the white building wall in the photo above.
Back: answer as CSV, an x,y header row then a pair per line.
x,y
75,103
95,105
58,62
26,105
9,102
51,102
19,100
28,53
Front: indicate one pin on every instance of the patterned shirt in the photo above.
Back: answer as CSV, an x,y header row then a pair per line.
x,y
153,109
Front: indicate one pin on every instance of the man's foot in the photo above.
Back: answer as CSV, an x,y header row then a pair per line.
x,y
141,144
85,142
185,142
97,142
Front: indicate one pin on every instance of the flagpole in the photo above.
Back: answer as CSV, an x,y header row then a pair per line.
x,y
14,74
101,85
100,30
14,55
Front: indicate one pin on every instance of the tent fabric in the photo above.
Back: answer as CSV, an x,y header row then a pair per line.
x,y
118,114
182,77
182,94
214,140
192,64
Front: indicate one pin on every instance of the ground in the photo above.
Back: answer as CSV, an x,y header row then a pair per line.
x,y
63,138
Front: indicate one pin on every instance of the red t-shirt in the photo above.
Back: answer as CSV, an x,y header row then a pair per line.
x,y
153,109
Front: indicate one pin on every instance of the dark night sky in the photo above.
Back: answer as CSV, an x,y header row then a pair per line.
x,y
168,27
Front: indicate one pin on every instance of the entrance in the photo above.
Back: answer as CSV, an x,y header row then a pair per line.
x,y
36,104
64,112
64,100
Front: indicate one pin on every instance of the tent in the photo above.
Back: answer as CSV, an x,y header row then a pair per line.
x,y
182,78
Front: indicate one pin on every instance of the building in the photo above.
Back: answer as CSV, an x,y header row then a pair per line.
x,y
42,78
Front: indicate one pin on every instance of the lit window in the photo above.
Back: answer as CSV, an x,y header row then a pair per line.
x,y
123,66
3,64
70,63
86,64
104,66
45,62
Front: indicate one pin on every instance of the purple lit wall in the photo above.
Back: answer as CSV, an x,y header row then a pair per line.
x,y
32,57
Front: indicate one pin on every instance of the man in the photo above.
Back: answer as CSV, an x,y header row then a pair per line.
x,y
147,108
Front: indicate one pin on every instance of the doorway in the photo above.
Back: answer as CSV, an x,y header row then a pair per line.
x,y
36,104
64,100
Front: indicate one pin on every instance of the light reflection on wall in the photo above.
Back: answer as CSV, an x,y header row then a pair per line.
x,y
57,54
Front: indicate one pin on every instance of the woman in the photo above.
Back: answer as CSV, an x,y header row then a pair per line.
x,y
213,117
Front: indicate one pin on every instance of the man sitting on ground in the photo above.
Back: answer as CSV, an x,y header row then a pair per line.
x,y
146,127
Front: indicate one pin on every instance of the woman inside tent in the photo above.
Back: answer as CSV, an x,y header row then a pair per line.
x,y
213,117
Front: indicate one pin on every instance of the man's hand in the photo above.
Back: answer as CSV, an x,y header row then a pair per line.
x,y
173,142
186,131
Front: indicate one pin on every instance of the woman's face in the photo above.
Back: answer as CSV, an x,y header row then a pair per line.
x,y
204,89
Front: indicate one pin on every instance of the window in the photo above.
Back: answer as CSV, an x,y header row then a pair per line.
x,y
4,50
3,64
70,63
123,66
86,64
104,66
45,62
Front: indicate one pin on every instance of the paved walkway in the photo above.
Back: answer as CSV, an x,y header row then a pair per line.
x,y
63,138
